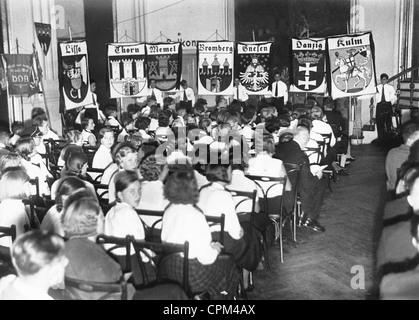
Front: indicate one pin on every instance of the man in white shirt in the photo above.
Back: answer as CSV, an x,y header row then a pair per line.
x,y
152,92
91,110
279,93
186,96
239,91
385,98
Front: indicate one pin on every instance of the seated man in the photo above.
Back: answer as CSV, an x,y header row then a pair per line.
x,y
338,123
311,187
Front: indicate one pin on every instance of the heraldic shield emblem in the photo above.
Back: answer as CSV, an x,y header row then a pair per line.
x,y
215,75
308,67
352,72
127,71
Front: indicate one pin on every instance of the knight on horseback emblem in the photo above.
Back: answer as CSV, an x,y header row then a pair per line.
x,y
348,70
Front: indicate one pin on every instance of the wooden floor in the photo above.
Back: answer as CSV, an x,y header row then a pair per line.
x,y
319,267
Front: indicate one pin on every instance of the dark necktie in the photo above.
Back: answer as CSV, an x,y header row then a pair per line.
x,y
276,90
185,97
383,96
237,92
152,93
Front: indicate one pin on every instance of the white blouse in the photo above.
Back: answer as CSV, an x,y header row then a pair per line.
x,y
186,223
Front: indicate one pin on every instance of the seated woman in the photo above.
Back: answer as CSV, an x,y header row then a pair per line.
x,y
76,166
214,200
52,220
152,188
82,221
10,160
75,142
89,139
40,262
265,165
14,187
32,163
123,220
125,157
184,221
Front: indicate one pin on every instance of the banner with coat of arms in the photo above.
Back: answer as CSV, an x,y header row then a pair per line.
x,y
308,65
351,65
74,74
253,66
43,32
21,73
127,69
215,68
164,64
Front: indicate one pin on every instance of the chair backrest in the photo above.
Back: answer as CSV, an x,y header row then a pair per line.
x,y
217,220
8,232
281,181
33,219
247,196
319,151
97,174
163,250
150,231
293,169
102,190
5,255
55,171
109,288
116,243
327,137
53,148
143,247
90,151
35,183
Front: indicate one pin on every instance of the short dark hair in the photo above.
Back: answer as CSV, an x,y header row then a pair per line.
x,y
218,172
384,75
85,122
181,187
110,109
142,123
39,120
18,128
272,124
123,179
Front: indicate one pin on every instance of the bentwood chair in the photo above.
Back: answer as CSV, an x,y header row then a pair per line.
x,y
155,252
5,257
293,172
275,214
74,286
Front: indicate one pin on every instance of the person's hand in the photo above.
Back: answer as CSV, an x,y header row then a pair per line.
x,y
217,246
319,174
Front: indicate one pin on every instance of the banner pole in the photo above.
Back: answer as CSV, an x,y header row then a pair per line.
x,y
21,96
35,53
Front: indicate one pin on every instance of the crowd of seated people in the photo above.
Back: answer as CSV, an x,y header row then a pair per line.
x,y
183,163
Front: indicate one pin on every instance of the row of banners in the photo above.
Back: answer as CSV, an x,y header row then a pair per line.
x,y
343,66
